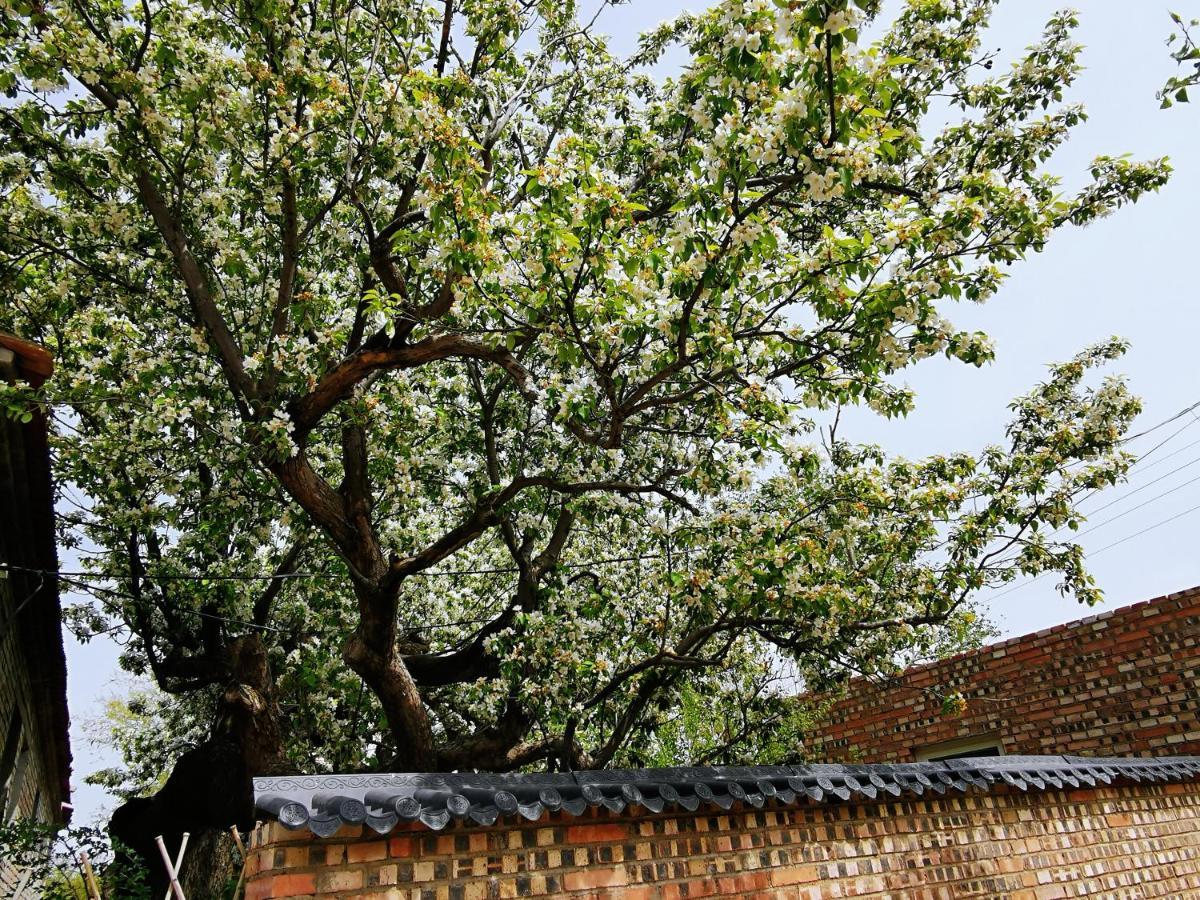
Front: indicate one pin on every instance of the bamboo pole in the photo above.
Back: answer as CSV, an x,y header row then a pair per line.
x,y
171,873
237,839
19,892
178,862
89,877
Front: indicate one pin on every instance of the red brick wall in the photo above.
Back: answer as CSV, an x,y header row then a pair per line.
x,y
1136,840
1116,684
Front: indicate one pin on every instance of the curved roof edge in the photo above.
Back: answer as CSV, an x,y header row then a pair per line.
x,y
324,803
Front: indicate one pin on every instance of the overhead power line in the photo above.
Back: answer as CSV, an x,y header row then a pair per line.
x,y
1148,528
331,576
1187,410
246,623
71,577
1125,496
1139,463
1141,505
1170,437
1162,459
1097,552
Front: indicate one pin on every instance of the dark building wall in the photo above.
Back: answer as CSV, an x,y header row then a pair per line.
x,y
1119,683
34,751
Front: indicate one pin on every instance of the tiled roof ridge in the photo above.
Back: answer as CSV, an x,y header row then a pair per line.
x,y
1011,642
325,803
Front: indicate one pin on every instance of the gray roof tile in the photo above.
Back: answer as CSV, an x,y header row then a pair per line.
x,y
323,803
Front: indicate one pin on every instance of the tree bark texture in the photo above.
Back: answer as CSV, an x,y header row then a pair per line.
x,y
210,787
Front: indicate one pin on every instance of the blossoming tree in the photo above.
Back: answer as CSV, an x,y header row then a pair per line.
x,y
432,352
1184,52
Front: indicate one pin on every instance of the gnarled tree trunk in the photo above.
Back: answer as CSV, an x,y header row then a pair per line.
x,y
210,787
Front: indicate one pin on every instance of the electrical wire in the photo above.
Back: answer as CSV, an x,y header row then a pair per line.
x,y
76,579
1120,498
1179,415
255,626
1148,528
9,624
1144,503
1097,552
329,576
1137,464
71,577
1141,459
1169,437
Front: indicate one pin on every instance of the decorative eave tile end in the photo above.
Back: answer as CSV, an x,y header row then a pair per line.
x,y
326,803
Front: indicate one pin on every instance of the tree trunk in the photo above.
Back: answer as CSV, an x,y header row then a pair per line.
x,y
389,679
373,654
211,866
210,787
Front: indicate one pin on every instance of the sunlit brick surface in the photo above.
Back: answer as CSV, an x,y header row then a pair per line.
x,y
1138,840
1122,683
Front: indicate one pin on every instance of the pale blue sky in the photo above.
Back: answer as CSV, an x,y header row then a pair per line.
x,y
1133,275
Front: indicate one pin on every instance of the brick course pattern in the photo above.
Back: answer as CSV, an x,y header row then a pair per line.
x,y
1117,684
1135,840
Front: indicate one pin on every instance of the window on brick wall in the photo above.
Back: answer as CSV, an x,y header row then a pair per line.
x,y
976,745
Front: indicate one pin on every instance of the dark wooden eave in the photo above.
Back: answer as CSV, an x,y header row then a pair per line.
x,y
34,362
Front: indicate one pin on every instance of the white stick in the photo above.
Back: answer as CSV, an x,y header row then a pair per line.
x,y
24,881
237,839
171,873
178,862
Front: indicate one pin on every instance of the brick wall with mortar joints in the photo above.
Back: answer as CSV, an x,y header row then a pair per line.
x,y
1115,684
1125,841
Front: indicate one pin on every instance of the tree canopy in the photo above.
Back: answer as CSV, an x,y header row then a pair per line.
x,y
472,373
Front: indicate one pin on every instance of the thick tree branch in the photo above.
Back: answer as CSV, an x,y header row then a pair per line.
x,y
329,513
473,661
290,252
497,748
287,566
444,44
196,284
356,484
340,381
